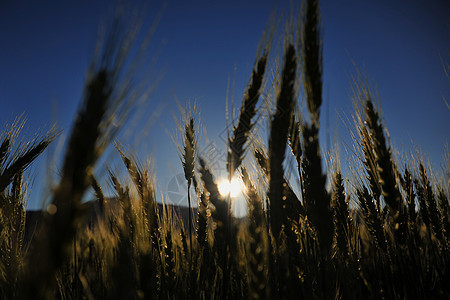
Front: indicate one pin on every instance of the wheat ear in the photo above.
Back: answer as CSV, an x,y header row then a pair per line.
x,y
257,246
248,111
342,220
107,95
188,166
433,211
316,199
278,139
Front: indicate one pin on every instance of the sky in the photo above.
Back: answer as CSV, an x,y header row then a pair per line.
x,y
200,46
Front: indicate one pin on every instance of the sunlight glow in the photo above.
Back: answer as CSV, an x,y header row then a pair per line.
x,y
233,188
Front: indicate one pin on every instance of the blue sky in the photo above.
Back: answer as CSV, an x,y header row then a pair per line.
x,y
401,46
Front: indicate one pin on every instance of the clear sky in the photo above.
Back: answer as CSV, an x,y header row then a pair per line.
x,y
403,46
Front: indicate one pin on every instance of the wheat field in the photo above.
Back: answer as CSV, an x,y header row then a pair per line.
x,y
380,231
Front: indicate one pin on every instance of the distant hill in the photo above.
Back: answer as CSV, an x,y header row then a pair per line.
x,y
92,208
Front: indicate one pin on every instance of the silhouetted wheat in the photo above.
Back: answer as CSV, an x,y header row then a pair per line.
x,y
257,246
278,138
342,221
377,232
316,199
248,111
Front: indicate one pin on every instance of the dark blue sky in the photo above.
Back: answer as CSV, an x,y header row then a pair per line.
x,y
46,47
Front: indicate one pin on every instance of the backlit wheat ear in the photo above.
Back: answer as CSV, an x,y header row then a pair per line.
x,y
385,170
169,266
190,144
311,53
121,192
383,158
12,231
296,147
220,213
248,111
202,218
24,158
294,139
262,160
316,199
257,245
445,212
80,157
278,138
17,185
124,271
372,218
408,186
4,150
434,213
108,92
98,192
342,220
222,225
138,174
293,207
423,206
370,164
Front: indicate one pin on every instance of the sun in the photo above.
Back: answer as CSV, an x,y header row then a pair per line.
x,y
232,188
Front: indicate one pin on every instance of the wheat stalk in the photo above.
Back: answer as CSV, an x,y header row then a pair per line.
x,y
316,199
190,144
278,139
105,100
222,224
247,112
220,213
